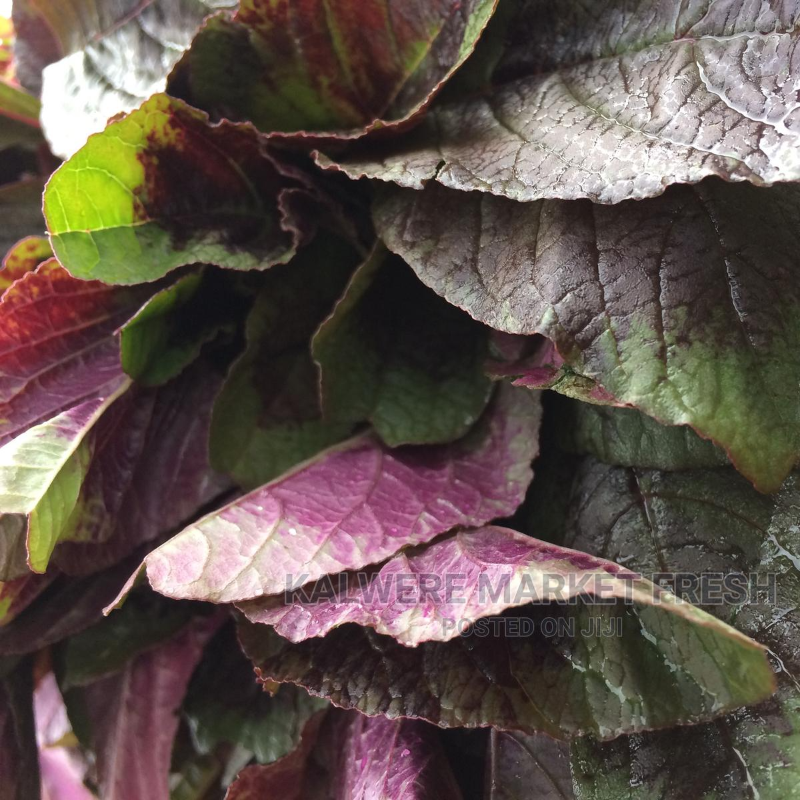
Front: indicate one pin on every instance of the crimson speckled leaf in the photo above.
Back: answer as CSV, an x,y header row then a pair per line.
x,y
161,188
658,668
22,258
497,568
615,101
674,305
355,504
342,66
268,418
395,354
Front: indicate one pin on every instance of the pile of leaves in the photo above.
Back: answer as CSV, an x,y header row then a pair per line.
x,y
319,318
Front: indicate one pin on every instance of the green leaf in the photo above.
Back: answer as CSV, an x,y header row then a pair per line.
x,y
683,306
141,624
169,331
613,669
626,437
267,417
396,355
42,470
701,522
227,705
161,188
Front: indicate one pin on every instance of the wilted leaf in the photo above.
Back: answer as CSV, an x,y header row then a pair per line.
x,y
617,101
161,188
354,505
320,66
267,418
398,356
672,305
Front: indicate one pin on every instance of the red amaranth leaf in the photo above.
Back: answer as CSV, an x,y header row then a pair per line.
x,y
339,69
354,505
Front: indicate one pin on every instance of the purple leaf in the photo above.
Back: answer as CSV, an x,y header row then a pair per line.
x,y
133,715
149,474
408,597
354,505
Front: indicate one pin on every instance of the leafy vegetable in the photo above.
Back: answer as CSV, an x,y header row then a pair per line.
x,y
397,356
358,523
344,65
150,220
671,305
561,685
111,57
268,417
423,378
615,103
140,702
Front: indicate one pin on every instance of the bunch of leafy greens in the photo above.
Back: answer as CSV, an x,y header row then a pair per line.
x,y
319,287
